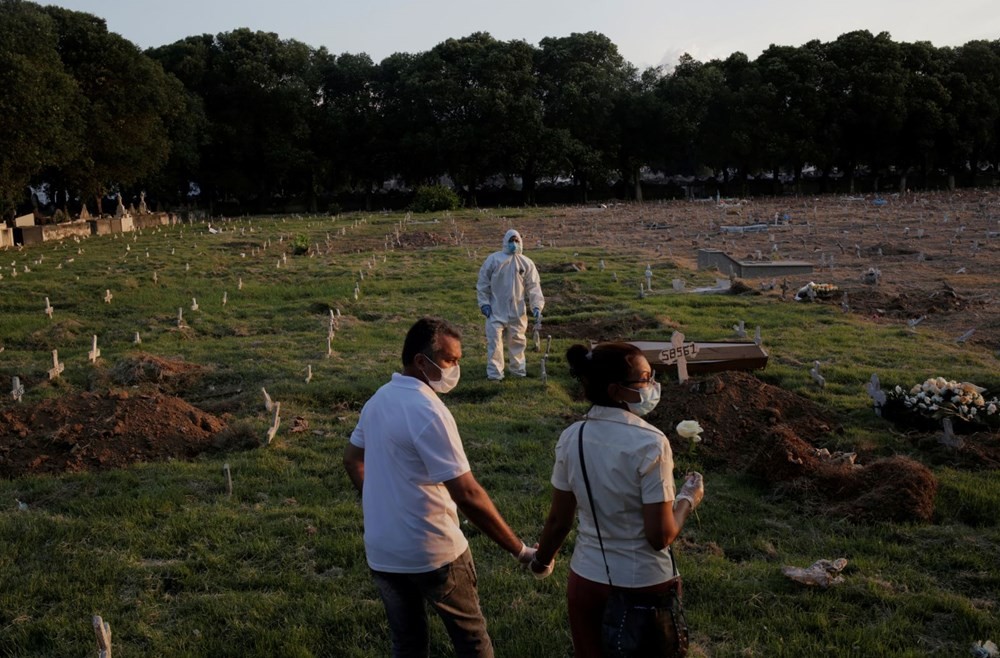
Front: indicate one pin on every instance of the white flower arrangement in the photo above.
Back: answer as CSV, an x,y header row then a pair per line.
x,y
939,397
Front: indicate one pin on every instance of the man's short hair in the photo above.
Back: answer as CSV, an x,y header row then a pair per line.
x,y
422,336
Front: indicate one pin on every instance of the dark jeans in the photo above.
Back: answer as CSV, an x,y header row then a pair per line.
x,y
586,600
451,591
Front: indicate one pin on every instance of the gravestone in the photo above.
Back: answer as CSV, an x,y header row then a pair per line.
x,y
57,367
16,389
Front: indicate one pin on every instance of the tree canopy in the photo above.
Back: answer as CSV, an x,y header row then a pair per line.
x,y
249,121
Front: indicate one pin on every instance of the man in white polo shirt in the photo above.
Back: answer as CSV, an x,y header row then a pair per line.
x,y
406,458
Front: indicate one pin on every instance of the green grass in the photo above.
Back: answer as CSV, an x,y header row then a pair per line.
x,y
180,569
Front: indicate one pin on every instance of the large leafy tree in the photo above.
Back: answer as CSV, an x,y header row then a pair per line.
x,y
732,134
582,78
684,94
39,101
348,129
470,106
972,119
926,120
126,101
793,81
260,95
867,91
638,117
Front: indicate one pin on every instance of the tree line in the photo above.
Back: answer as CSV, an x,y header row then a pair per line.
x,y
247,120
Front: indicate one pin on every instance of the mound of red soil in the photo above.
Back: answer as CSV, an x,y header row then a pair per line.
x,y
167,374
756,428
416,239
97,432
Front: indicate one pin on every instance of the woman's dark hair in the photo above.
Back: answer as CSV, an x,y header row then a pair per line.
x,y
423,335
596,368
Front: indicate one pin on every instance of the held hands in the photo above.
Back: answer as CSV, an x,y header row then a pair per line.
x,y
486,309
527,559
541,571
693,490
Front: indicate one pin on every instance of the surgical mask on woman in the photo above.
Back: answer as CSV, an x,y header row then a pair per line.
x,y
649,397
449,378
514,247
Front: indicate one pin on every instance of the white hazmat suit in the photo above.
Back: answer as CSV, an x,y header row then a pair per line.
x,y
504,280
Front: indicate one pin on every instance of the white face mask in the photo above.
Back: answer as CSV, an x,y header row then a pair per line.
x,y
449,378
649,397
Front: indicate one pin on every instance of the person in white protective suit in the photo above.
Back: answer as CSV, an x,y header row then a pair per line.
x,y
504,279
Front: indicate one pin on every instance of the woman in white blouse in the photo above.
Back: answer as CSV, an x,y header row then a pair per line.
x,y
630,470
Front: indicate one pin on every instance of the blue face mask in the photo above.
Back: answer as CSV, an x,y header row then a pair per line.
x,y
514,247
649,397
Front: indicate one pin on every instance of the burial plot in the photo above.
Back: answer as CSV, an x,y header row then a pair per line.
x,y
749,269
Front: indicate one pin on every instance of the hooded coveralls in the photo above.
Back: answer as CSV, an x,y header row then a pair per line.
x,y
504,279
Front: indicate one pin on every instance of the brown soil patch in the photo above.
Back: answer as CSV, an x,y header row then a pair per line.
x,y
756,428
418,239
98,432
602,329
167,374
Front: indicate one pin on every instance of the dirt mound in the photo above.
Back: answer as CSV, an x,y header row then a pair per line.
x,y
605,328
98,432
908,304
562,268
167,374
416,239
753,427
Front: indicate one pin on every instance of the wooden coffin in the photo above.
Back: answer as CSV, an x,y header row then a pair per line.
x,y
709,357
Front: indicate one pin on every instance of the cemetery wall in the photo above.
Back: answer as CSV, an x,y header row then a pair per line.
x,y
715,259
28,235
80,227
100,226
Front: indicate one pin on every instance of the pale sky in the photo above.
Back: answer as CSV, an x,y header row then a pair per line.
x,y
647,32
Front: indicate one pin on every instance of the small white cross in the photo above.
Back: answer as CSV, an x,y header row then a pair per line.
x,y
94,352
57,367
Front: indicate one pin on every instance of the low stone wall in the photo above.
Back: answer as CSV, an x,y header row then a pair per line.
x,y
101,226
715,259
153,220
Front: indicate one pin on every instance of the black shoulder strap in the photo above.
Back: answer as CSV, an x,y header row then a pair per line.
x,y
590,497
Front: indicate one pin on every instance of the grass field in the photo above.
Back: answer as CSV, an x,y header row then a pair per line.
x,y
178,568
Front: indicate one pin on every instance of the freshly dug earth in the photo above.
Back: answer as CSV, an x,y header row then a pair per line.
x,y
753,427
97,432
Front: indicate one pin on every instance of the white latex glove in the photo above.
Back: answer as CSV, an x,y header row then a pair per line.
x,y
526,555
693,490
545,569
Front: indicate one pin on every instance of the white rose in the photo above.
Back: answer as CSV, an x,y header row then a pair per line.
x,y
689,429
